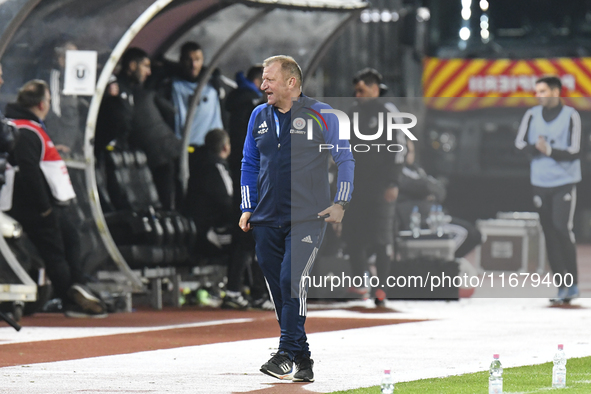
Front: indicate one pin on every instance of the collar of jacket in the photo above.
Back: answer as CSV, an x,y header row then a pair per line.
x,y
15,111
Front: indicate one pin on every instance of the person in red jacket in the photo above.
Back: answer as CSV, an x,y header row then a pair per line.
x,y
41,195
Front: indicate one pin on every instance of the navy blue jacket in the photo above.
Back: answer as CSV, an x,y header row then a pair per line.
x,y
285,178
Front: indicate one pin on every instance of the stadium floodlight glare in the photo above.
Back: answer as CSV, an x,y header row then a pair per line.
x,y
376,16
483,5
466,3
464,33
484,18
423,14
485,34
386,16
466,13
395,16
365,16
484,25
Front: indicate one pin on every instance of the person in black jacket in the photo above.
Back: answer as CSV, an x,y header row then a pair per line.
x,y
212,208
369,225
65,118
7,139
134,118
42,193
240,103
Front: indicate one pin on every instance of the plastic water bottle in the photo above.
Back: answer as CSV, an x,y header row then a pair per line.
x,y
415,222
387,385
559,369
432,219
439,220
495,379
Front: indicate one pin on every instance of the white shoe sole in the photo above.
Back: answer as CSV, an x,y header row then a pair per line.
x,y
288,376
86,300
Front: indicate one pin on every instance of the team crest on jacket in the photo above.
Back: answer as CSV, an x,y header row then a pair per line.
x,y
299,123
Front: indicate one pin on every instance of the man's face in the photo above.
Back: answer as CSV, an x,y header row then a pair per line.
x,y
44,106
1,79
61,56
362,90
193,63
275,85
141,70
547,97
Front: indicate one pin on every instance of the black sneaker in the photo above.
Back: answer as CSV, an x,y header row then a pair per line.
x,y
84,297
263,304
279,366
304,370
234,302
76,311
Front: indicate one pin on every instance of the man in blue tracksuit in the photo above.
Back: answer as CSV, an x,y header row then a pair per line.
x,y
551,134
286,197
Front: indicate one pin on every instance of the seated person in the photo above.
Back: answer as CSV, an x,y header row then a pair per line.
x,y
416,188
211,196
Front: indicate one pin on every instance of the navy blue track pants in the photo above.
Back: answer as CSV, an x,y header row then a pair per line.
x,y
284,263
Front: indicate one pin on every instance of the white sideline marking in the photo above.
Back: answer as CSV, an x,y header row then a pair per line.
x,y
33,334
461,338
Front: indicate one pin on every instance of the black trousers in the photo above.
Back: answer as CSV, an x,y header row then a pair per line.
x,y
556,206
243,268
369,229
164,177
57,239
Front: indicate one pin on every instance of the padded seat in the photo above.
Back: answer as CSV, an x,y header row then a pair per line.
x,y
137,223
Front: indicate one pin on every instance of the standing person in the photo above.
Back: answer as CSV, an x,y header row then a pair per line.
x,y
137,119
550,134
179,88
369,225
240,103
64,120
41,195
285,194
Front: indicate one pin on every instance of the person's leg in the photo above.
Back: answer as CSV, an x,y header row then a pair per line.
x,y
543,204
45,234
236,268
564,202
164,180
303,254
258,288
70,224
239,259
385,225
466,236
383,264
270,250
303,241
